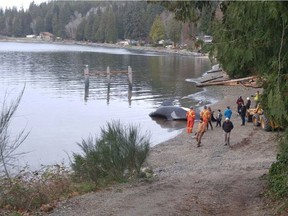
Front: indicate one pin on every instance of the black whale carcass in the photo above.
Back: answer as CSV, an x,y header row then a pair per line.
x,y
170,113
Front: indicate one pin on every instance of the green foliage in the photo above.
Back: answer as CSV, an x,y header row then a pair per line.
x,y
206,47
276,103
206,18
111,29
85,187
278,173
250,41
118,154
174,30
134,20
157,32
104,21
186,11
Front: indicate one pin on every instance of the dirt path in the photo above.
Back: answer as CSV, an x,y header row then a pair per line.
x,y
211,180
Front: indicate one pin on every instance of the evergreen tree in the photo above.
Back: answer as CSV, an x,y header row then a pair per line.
x,y
100,34
157,32
206,19
152,11
174,30
80,31
111,30
250,41
119,18
39,26
88,29
96,24
134,20
2,23
64,17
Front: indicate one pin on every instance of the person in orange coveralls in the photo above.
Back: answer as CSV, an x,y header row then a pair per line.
x,y
200,131
205,115
190,115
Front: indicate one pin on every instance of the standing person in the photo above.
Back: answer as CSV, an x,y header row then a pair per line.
x,y
227,126
200,131
219,118
228,112
190,115
239,103
243,114
204,114
209,118
256,98
248,103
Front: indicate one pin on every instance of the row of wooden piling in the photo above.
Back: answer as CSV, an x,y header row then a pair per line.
x,y
108,73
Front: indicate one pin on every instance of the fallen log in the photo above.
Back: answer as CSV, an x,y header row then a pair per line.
x,y
214,71
227,82
214,78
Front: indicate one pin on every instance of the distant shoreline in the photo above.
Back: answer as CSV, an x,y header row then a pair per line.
x,y
183,52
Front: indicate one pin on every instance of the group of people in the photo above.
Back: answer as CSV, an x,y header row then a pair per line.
x,y
242,108
206,117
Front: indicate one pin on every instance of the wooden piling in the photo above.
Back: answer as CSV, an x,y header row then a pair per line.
x,y
130,77
108,74
86,75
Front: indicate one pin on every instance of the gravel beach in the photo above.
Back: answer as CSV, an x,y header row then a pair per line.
x,y
210,180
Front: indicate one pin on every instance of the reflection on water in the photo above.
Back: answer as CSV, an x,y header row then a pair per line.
x,y
61,106
170,125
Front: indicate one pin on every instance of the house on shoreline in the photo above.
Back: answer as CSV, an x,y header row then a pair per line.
x,y
47,36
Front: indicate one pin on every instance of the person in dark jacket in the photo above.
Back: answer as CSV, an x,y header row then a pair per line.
x,y
248,103
227,126
239,103
243,114
210,118
219,118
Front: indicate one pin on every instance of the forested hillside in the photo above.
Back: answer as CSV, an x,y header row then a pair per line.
x,y
100,21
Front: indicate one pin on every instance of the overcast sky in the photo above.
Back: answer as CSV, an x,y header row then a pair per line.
x,y
19,3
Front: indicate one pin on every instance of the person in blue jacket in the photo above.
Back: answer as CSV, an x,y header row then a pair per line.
x,y
228,112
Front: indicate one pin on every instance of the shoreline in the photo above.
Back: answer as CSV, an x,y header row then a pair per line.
x,y
210,180
213,179
229,95
163,50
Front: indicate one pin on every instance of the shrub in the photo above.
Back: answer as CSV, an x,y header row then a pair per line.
x,y
9,144
117,155
278,172
29,190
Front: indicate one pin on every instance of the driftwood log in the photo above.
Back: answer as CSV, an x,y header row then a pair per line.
x,y
214,71
247,82
209,80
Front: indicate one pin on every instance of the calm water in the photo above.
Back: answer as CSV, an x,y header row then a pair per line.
x,y
59,112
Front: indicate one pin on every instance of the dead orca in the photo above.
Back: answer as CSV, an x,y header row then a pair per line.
x,y
170,113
